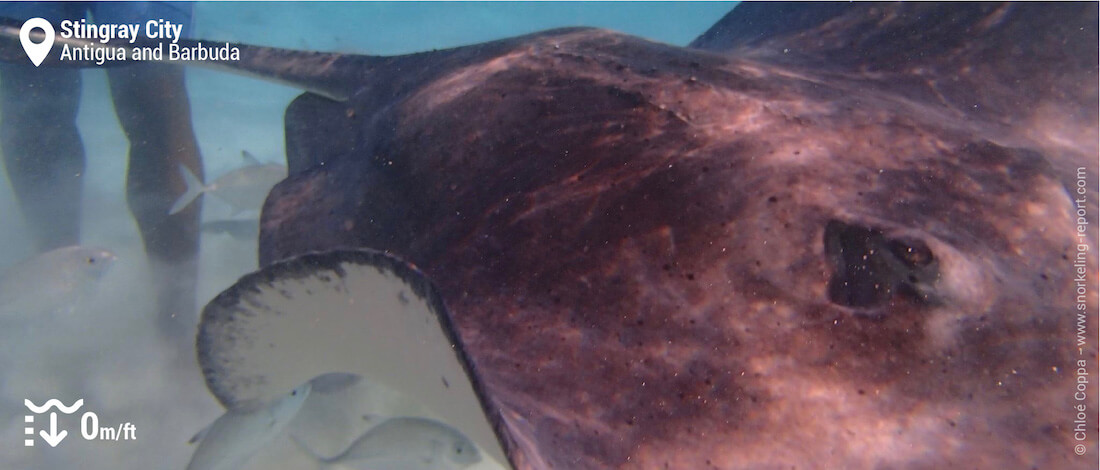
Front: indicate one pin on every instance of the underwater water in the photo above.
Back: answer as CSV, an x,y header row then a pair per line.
x,y
104,349
732,258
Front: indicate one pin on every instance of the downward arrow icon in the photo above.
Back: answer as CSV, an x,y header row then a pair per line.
x,y
53,438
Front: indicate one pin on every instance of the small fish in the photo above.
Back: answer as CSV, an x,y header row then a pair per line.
x,y
340,409
243,189
408,443
241,229
53,280
237,435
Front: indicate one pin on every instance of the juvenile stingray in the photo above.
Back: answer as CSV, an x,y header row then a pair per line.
x,y
825,236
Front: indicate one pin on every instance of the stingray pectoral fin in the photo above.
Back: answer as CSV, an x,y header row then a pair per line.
x,y
360,312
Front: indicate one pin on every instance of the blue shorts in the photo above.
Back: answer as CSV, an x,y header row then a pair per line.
x,y
102,12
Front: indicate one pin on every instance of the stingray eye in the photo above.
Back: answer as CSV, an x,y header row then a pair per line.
x,y
91,260
914,253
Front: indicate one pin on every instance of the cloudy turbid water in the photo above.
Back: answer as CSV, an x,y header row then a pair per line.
x,y
103,348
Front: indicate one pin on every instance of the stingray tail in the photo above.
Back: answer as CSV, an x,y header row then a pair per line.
x,y
194,189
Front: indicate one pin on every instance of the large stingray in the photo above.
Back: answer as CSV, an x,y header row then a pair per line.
x,y
824,236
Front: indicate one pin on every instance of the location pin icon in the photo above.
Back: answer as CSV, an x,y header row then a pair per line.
x,y
36,52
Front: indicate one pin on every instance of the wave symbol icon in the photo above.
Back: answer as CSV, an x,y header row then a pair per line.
x,y
51,403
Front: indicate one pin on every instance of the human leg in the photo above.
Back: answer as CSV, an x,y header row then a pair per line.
x,y
152,105
43,153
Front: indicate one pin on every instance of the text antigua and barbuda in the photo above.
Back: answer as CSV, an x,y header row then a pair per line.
x,y
176,53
